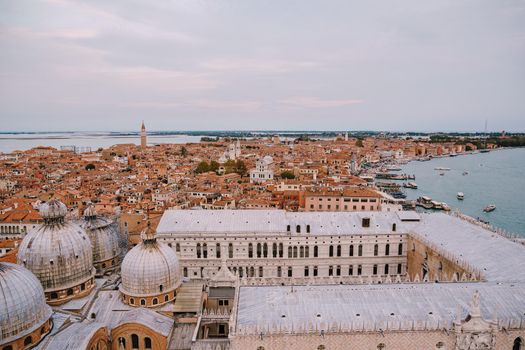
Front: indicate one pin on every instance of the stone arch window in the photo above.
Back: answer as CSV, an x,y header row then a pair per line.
x,y
161,288
54,295
295,251
440,345
351,250
394,227
199,250
166,297
83,286
307,228
265,250
122,342
147,343
374,270
331,251
338,250
387,249
155,301
218,250
134,341
274,250
316,251
381,346
252,271
142,302
185,272
400,249
28,341
288,229
289,251
250,250
132,301
70,291
386,269
376,249
204,250
518,344
298,228
230,250
301,252
306,251
360,250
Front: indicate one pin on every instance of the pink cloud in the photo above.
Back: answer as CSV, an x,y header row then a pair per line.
x,y
315,102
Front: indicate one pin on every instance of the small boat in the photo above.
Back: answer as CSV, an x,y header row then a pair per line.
x,y
465,173
461,196
441,168
411,185
442,174
453,155
485,150
489,208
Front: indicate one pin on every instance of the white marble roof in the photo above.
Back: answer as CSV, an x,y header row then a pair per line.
x,y
363,306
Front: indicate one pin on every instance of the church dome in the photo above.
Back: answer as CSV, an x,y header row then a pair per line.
x,y
150,272
24,308
59,254
104,236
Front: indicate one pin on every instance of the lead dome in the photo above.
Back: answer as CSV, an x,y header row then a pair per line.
x,y
24,316
103,233
59,253
150,273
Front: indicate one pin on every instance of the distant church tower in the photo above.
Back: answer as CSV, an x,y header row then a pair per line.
x,y
143,136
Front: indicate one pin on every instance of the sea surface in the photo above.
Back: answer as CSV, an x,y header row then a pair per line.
x,y
497,177
10,142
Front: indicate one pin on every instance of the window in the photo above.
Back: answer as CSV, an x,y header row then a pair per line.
x,y
252,271
315,270
338,250
205,251
134,341
441,345
307,228
374,270
316,251
166,297
386,269
290,271
265,250
518,344
289,251
185,272
199,253
298,228
330,270
331,251
295,252
155,301
230,251
288,229
394,227
259,250
147,343
351,270
381,346
8,347
301,252
122,342
161,288
281,249
250,250
177,247
359,270
398,269
142,302
365,222
307,252
274,250
279,271
400,249
28,341
132,301
351,250
321,347
306,271
260,271
218,250
54,295
376,249
360,250
338,270
260,348
387,249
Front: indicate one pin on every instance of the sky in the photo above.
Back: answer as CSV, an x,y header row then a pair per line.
x,y
98,65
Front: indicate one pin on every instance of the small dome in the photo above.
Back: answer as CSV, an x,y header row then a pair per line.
x,y
22,302
150,268
53,209
104,236
59,252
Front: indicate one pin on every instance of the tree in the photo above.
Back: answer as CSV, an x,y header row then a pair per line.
x,y
214,166
90,166
202,167
240,168
287,175
359,143
183,151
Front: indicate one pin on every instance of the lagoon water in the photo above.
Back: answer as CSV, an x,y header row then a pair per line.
x,y
497,177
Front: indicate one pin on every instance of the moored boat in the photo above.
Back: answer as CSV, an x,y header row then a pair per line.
x,y
461,196
489,208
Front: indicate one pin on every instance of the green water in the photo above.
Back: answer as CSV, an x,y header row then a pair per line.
x,y
497,177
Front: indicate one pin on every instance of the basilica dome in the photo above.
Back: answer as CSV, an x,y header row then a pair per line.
x,y
150,273
24,316
104,236
59,253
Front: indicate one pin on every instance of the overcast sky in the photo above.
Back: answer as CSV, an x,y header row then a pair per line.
x,y
260,65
